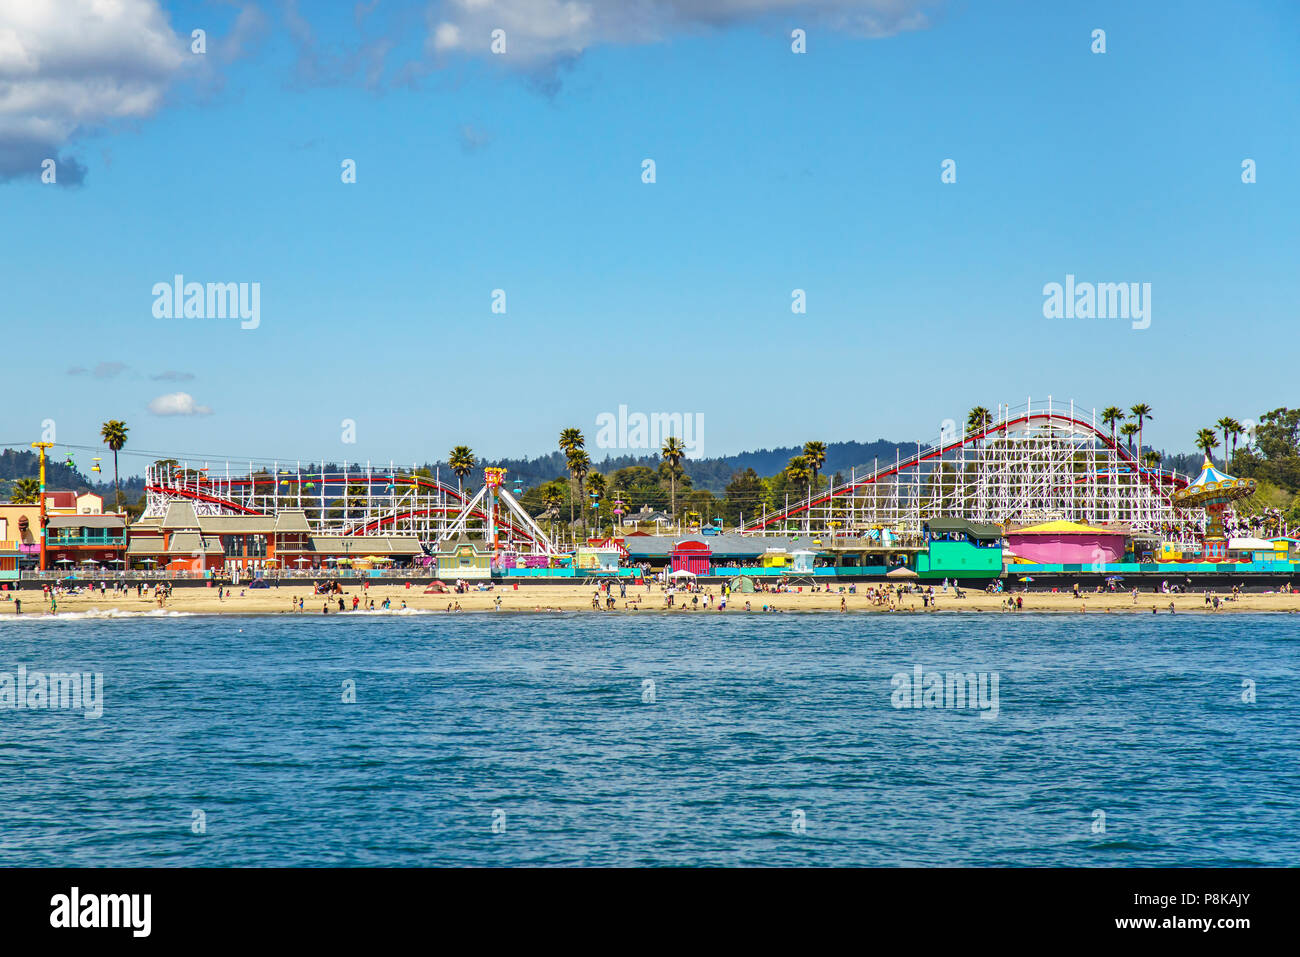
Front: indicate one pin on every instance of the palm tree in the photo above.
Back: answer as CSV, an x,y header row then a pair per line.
x,y
1227,424
552,500
1237,430
1141,412
27,491
571,441
978,419
579,466
1128,430
1110,415
113,435
799,470
461,459
815,453
1151,459
1207,440
673,452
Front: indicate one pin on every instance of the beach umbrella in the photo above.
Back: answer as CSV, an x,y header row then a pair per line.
x,y
1026,578
303,561
902,571
89,561
64,561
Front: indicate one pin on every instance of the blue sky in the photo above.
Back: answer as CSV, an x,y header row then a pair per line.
x,y
774,171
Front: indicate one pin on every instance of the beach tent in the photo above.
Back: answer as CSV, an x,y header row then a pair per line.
x,y
682,573
742,584
902,571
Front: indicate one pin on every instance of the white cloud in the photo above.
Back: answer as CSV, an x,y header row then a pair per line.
x,y
544,29
177,403
77,64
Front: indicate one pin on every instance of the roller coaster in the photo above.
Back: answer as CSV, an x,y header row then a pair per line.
x,y
1029,463
361,501
1034,462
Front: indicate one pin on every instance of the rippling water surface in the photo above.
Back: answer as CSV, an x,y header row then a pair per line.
x,y
543,725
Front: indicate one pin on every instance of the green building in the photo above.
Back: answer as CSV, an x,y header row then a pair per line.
x,y
957,548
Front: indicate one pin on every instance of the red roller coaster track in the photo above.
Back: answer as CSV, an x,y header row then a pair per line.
x,y
1156,480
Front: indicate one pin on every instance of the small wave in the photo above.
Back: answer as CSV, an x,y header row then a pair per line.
x,y
394,611
97,614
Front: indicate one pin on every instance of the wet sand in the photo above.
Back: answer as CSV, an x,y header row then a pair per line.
x,y
543,598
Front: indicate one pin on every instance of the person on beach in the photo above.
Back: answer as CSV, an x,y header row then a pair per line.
x,y
18,605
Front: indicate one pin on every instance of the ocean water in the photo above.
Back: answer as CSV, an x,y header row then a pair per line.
x,y
495,739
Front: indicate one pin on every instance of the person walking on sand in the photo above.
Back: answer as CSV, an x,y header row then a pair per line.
x,y
844,605
18,605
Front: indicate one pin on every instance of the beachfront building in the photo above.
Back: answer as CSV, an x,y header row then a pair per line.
x,y
79,534
181,540
85,541
598,559
20,538
957,548
1251,550
1068,543
690,555
463,557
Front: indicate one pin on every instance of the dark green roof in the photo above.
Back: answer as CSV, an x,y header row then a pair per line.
x,y
944,526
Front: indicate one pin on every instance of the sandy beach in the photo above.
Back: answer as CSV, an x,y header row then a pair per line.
x,y
543,598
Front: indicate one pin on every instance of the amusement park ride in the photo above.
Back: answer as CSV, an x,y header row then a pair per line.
x,y
364,501
1031,463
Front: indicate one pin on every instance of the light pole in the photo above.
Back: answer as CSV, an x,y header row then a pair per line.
x,y
41,447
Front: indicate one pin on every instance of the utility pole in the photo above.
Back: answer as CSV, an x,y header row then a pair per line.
x,y
41,447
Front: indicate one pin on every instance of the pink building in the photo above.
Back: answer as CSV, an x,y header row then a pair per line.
x,y
1067,543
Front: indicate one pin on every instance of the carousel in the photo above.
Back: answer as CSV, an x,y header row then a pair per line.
x,y
1213,491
